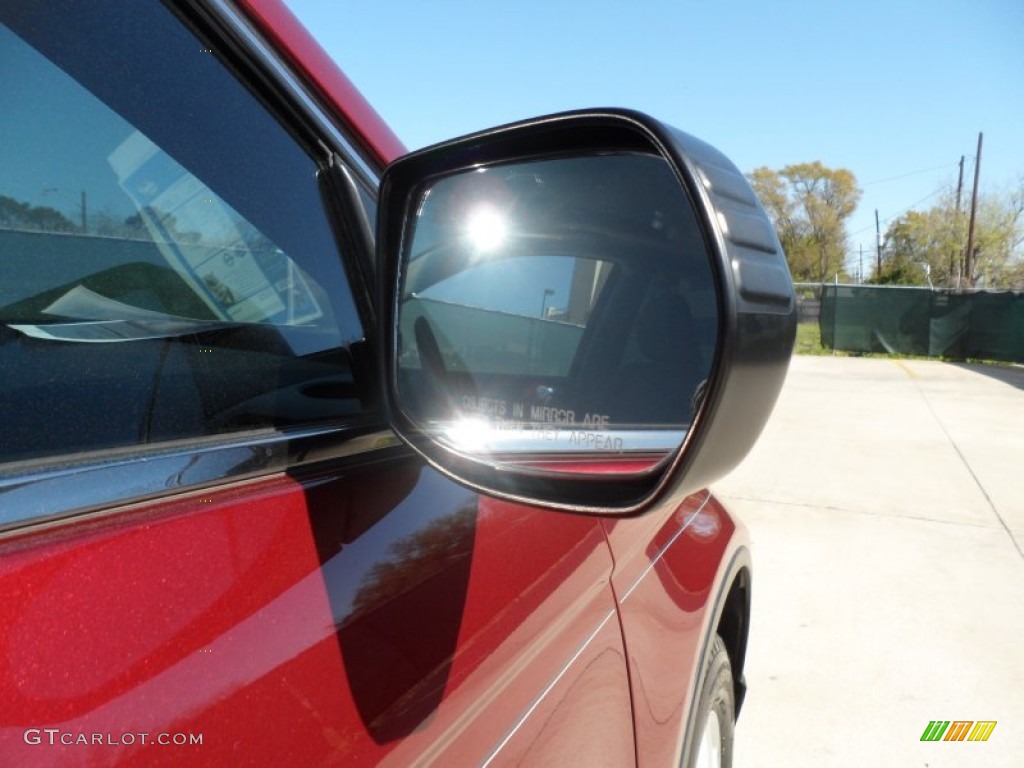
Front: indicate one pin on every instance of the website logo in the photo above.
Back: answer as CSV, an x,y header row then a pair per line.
x,y
958,730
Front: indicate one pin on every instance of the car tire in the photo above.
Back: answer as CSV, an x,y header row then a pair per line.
x,y
716,707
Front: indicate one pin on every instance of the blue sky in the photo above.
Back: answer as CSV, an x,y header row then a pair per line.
x,y
894,91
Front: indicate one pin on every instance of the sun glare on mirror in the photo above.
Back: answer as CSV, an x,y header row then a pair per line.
x,y
486,228
470,434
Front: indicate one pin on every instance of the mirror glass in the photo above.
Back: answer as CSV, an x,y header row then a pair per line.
x,y
558,312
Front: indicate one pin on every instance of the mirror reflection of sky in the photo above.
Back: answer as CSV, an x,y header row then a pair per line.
x,y
65,158
470,223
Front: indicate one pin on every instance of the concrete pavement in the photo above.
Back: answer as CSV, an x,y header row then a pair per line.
x,y
886,504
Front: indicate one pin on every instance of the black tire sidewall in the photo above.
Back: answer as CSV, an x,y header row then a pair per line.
x,y
716,694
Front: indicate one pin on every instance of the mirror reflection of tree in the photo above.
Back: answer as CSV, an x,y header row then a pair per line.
x,y
23,216
15,214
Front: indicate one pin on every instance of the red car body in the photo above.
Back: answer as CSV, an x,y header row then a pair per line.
x,y
362,609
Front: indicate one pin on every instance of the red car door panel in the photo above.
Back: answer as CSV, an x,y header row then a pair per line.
x,y
670,571
348,614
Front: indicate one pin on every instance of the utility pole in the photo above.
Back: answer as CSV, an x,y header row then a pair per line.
x,y
969,256
960,184
956,263
83,204
878,241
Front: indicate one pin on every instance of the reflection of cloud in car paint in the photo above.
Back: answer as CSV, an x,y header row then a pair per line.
x,y
706,524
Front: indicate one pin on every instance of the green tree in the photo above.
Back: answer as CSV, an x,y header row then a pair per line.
x,y
998,239
809,205
934,241
920,245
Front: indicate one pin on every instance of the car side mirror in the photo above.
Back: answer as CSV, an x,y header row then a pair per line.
x,y
586,311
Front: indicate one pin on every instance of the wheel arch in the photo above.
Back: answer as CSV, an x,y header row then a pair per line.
x,y
733,626
729,618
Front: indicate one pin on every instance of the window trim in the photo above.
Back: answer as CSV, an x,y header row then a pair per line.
x,y
40,493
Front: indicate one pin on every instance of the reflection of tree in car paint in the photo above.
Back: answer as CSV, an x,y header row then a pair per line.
x,y
399,638
416,558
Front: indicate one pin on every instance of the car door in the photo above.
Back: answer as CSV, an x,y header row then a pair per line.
x,y
212,548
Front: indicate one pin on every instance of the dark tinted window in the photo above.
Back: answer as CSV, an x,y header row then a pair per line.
x,y
166,268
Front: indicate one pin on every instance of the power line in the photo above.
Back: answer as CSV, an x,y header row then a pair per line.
x,y
908,175
910,207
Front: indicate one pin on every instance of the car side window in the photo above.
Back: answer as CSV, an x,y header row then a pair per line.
x,y
167,270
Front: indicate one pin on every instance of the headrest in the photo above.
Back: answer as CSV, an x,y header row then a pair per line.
x,y
664,325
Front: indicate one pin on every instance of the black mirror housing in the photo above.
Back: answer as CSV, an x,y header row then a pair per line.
x,y
755,328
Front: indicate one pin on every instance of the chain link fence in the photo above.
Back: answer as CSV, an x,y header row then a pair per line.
x,y
808,302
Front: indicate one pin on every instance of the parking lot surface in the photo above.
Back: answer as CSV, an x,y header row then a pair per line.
x,y
886,504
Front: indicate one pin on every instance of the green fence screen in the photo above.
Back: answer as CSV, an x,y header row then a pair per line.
x,y
920,321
